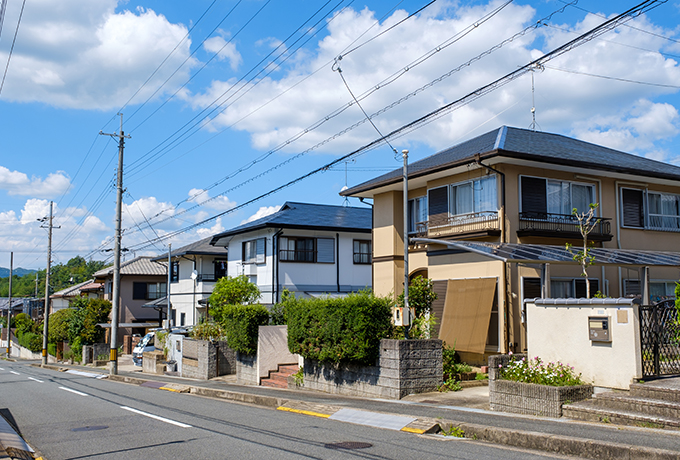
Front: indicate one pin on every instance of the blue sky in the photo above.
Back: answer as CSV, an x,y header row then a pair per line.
x,y
227,100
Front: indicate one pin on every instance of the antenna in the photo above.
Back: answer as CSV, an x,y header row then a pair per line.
x,y
345,202
533,69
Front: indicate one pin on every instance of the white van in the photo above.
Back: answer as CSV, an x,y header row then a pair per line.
x,y
144,345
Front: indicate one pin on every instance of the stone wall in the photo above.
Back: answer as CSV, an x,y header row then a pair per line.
x,y
92,352
246,369
226,359
202,359
529,398
404,367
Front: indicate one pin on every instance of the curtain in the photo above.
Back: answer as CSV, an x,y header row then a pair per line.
x,y
485,195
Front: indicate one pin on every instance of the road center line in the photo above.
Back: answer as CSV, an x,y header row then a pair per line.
x,y
74,391
36,380
156,417
15,373
2,368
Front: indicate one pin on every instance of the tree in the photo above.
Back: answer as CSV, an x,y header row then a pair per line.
x,y
586,224
421,295
59,325
234,291
82,325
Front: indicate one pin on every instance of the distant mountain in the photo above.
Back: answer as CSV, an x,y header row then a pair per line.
x,y
4,272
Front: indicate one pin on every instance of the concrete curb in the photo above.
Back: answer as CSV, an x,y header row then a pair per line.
x,y
565,445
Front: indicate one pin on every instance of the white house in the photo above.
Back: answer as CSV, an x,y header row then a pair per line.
x,y
195,269
309,249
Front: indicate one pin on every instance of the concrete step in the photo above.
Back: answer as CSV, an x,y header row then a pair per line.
x,y
273,383
588,411
656,390
279,379
289,369
623,400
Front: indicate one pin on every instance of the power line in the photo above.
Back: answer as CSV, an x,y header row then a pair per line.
x,y
661,85
11,50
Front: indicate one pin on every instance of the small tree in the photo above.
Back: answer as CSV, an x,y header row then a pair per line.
x,y
234,291
421,295
586,224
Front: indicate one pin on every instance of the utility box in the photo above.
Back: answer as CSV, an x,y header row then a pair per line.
x,y
598,328
398,316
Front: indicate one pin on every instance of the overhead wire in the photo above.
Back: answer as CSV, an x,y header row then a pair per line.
x,y
605,77
11,50
447,108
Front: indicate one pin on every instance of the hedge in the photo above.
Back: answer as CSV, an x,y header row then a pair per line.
x,y
333,330
33,342
240,324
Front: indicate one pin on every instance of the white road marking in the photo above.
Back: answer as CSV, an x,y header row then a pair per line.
x,y
15,373
156,417
86,374
74,391
2,368
36,380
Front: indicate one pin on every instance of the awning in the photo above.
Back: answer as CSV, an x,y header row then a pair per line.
x,y
544,254
327,295
467,312
108,325
158,303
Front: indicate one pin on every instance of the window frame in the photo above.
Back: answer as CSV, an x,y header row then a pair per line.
x,y
174,273
215,271
314,252
252,246
646,214
593,188
412,215
160,293
369,254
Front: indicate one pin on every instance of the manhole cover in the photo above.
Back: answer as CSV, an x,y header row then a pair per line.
x,y
90,428
349,445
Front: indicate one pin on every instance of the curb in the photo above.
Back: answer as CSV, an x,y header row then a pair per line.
x,y
558,444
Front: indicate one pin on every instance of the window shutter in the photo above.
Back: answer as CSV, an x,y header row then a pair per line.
x,y
580,287
139,291
533,195
438,205
632,208
260,258
325,250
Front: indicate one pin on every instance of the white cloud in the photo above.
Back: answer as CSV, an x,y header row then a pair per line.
x,y
18,183
84,55
202,197
143,209
225,51
262,212
215,229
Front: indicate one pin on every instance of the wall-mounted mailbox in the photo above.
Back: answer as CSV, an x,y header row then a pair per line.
x,y
598,328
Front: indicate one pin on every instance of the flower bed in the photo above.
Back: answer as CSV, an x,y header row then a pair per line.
x,y
556,386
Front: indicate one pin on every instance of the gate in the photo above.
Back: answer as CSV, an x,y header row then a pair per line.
x,y
660,339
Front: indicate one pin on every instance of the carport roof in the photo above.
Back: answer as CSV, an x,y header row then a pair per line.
x,y
543,254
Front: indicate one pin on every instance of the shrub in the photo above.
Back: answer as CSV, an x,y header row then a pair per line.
x,y
240,324
233,291
535,371
87,313
333,330
207,330
58,326
31,340
24,323
421,295
52,349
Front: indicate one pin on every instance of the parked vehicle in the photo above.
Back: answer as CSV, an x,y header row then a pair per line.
x,y
144,345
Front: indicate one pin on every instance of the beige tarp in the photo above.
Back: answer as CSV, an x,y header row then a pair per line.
x,y
467,311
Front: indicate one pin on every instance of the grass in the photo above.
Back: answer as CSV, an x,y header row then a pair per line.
x,y
454,431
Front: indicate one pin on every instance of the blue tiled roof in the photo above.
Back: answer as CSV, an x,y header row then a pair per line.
x,y
311,217
529,145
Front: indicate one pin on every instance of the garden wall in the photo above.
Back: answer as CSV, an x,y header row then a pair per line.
x,y
272,350
404,367
202,359
92,352
246,369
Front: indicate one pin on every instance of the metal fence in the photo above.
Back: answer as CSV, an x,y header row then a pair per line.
x,y
660,339
560,223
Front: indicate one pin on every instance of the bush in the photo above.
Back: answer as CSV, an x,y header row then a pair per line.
x,y
333,330
207,330
24,323
87,313
240,324
52,349
31,340
535,371
58,327
233,291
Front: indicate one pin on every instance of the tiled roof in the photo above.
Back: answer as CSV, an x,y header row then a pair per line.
x,y
201,247
16,301
529,145
309,216
72,291
141,265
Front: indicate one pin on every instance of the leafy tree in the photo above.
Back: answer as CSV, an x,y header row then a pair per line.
x,y
87,313
59,325
586,224
421,295
24,323
234,291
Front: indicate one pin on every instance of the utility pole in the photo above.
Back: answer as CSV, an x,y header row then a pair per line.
x,y
9,306
406,314
167,289
46,310
113,368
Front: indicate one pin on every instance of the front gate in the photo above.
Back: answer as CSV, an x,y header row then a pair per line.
x,y
660,339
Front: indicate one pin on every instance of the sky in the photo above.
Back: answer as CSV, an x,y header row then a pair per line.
x,y
227,101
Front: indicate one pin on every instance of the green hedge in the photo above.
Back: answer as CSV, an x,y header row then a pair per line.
x,y
240,324
332,330
31,341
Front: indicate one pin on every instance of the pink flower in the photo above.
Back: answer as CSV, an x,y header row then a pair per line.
x,y
510,353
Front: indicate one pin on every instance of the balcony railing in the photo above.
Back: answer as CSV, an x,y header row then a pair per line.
x,y
482,223
560,225
297,255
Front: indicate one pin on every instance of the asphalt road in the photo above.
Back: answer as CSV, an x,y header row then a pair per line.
x,y
67,416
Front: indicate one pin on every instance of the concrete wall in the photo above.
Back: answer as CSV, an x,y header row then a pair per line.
x,y
557,330
202,359
92,352
246,369
272,350
404,367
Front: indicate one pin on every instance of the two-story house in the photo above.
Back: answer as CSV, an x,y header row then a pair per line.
x,y
514,191
196,268
141,281
309,249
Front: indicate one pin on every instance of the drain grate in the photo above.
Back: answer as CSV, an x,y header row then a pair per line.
x,y
348,445
90,428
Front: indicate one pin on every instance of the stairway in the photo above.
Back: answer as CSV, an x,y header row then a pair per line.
x,y
653,405
279,379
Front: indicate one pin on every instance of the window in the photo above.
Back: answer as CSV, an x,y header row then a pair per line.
x,y
547,196
477,196
653,210
570,288
302,249
182,319
417,214
174,276
220,269
148,291
658,290
253,251
362,251
252,279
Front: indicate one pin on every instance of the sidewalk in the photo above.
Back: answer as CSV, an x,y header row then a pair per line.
x,y
466,409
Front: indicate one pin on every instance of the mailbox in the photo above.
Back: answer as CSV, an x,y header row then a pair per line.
x,y
598,329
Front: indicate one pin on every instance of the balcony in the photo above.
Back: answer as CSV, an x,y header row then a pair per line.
x,y
209,278
544,224
473,225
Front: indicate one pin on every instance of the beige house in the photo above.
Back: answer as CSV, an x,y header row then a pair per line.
x,y
141,281
518,187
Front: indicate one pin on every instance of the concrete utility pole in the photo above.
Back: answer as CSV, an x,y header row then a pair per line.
x,y
113,368
167,289
46,309
406,314
9,306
